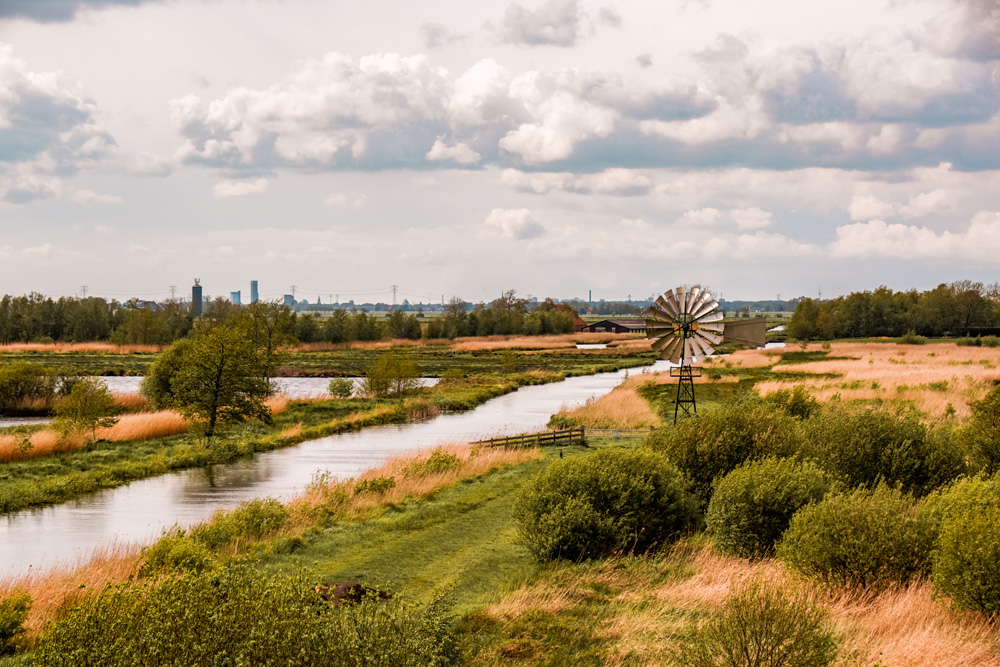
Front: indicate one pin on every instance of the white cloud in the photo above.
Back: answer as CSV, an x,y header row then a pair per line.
x,y
239,188
750,218
437,35
459,153
879,239
637,223
514,223
556,23
870,207
618,182
49,127
340,200
91,197
703,216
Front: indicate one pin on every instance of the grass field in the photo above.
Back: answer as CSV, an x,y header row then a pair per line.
x,y
457,536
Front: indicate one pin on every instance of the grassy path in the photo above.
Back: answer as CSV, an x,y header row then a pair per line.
x,y
460,541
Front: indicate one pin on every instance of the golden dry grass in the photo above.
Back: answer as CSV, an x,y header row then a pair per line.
x,y
472,461
538,342
903,627
56,589
42,443
131,402
623,407
912,373
145,426
66,348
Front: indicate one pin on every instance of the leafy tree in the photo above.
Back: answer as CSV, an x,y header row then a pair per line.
x,y
156,385
392,374
88,406
341,387
270,326
221,380
23,384
981,433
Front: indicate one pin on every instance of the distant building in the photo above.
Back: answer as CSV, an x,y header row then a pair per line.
x,y
254,296
235,298
616,326
289,300
196,298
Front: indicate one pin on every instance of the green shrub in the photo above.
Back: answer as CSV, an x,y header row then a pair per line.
x,y
453,374
762,626
967,560
971,494
611,499
88,406
911,338
156,384
175,552
797,402
980,434
341,387
376,486
25,385
865,538
712,444
862,447
437,462
753,505
251,520
239,616
391,374
13,612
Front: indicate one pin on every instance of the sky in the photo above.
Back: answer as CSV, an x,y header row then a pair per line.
x,y
764,148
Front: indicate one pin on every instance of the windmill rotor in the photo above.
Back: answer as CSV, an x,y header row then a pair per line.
x,y
686,324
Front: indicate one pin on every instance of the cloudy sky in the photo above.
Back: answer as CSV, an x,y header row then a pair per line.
x,y
761,147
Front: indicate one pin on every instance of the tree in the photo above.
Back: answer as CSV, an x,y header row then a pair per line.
x,y
981,433
270,327
392,374
156,385
88,406
221,380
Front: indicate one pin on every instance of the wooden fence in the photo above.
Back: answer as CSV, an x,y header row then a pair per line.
x,y
618,432
569,436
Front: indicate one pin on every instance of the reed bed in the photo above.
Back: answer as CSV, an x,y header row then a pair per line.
x,y
56,589
550,342
41,443
131,402
931,376
145,426
653,599
67,348
342,498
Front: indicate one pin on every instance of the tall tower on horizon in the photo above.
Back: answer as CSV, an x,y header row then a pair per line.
x,y
196,298
254,296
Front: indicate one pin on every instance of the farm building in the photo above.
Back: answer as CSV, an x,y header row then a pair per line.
x,y
616,326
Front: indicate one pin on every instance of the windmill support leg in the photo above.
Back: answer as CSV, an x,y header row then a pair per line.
x,y
685,394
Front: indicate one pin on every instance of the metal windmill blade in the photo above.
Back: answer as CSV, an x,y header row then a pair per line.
x,y
683,322
686,325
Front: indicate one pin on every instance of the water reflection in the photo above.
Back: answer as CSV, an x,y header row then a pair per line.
x,y
137,513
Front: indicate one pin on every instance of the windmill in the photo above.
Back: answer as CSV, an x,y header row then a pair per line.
x,y
687,325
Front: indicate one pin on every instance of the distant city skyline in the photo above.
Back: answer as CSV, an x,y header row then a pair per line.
x,y
548,146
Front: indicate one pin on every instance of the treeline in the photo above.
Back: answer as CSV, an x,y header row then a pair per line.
x,y
507,315
36,318
953,309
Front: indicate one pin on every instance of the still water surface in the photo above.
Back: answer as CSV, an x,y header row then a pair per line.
x,y
33,540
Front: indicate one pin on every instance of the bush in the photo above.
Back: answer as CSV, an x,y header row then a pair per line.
x,y
437,462
762,626
713,444
911,338
341,387
251,520
392,374
611,499
239,616
866,538
965,495
967,560
88,406
13,612
156,384
980,435
863,447
797,402
377,486
26,385
753,505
